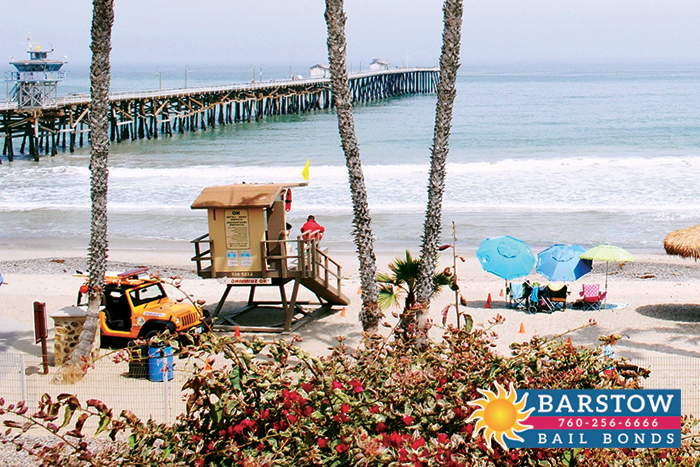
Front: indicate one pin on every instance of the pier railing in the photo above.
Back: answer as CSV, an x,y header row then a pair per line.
x,y
63,122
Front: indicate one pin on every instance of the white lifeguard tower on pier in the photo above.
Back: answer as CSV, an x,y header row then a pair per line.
x,y
35,83
248,246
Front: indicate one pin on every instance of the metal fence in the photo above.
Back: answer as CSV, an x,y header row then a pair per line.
x,y
123,386
674,373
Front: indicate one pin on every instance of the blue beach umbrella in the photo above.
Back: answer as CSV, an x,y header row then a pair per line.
x,y
506,257
563,263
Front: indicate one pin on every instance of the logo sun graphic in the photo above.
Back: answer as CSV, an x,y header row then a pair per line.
x,y
500,415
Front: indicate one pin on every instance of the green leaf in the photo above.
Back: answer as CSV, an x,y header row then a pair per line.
x,y
104,423
468,323
568,458
217,414
67,415
235,378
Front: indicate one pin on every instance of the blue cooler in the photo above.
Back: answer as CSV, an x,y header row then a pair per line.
x,y
158,358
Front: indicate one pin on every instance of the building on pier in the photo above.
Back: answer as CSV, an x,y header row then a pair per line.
x,y
320,71
35,83
378,65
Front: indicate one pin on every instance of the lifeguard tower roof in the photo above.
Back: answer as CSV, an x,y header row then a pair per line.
x,y
242,195
38,61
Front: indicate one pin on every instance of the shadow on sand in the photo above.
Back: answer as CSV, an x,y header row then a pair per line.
x,y
687,313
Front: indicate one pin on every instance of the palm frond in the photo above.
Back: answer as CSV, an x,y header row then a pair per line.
x,y
388,297
384,278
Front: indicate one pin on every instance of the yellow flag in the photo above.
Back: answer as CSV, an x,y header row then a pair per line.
x,y
305,170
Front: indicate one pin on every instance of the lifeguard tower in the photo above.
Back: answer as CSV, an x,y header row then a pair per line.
x,y
248,245
35,83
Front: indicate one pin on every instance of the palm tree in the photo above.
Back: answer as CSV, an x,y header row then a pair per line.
x,y
370,313
446,92
101,45
403,281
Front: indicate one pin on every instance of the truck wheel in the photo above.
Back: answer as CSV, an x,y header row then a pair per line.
x,y
153,333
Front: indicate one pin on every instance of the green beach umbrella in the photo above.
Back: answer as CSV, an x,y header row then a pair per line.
x,y
608,253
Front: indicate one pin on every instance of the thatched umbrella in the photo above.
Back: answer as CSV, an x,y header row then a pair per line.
x,y
684,242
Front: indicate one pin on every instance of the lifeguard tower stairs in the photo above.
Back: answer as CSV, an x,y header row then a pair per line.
x,y
248,245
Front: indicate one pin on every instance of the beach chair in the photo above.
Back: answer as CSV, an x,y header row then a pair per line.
x,y
592,296
533,298
543,304
557,295
517,295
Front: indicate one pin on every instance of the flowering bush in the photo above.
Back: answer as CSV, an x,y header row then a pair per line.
x,y
381,404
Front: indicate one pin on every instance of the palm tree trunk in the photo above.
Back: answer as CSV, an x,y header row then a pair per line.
x,y
446,92
370,313
101,46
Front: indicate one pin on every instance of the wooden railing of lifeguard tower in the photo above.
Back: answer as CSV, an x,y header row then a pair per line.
x,y
202,256
311,263
307,261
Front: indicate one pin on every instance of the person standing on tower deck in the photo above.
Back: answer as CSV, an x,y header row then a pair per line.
x,y
312,230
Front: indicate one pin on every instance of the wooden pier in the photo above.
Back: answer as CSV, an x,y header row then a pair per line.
x,y
63,122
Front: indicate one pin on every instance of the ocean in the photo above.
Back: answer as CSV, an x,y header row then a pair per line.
x,y
548,153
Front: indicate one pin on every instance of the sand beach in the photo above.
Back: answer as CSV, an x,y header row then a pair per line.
x,y
656,305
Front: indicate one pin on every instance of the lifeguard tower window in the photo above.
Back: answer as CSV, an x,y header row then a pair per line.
x,y
147,294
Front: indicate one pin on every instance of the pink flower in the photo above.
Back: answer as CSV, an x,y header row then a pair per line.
x,y
341,448
381,427
417,443
356,385
407,419
337,385
322,442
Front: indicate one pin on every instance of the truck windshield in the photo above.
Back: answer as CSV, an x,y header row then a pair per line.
x,y
147,294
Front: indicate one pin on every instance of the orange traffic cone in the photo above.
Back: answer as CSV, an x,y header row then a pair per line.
x,y
237,332
342,312
522,328
501,293
570,343
488,302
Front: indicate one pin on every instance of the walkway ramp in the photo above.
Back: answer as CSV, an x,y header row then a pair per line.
x,y
321,284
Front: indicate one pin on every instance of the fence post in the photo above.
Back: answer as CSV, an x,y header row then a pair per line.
x,y
40,333
22,380
165,393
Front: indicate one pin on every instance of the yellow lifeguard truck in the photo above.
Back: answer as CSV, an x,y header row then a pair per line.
x,y
248,245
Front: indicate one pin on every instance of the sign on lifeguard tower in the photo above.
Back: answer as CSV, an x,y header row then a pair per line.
x,y
248,245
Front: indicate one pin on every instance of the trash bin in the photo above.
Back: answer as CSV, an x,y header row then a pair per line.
x,y
160,361
138,362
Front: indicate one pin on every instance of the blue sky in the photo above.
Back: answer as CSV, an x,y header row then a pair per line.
x,y
402,32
